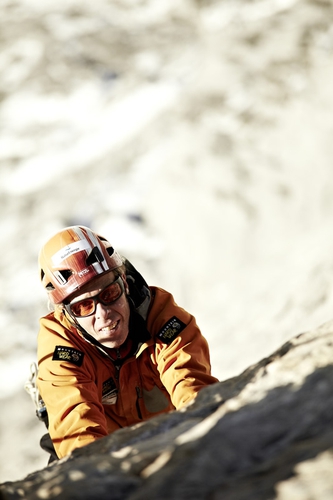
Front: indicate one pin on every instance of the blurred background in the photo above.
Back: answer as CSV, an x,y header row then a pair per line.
x,y
197,137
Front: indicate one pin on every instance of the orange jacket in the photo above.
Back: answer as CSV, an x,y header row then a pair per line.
x,y
89,395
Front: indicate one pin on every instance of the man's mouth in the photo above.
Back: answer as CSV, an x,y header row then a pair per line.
x,y
110,327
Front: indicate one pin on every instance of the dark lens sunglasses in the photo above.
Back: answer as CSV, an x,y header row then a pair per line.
x,y
87,307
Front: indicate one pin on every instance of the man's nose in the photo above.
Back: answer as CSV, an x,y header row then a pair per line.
x,y
101,310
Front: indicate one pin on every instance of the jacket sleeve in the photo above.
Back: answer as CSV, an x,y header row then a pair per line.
x,y
76,416
181,351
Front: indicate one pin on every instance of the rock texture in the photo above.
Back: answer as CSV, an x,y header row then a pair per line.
x,y
262,435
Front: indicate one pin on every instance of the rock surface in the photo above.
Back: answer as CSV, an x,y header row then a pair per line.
x,y
262,435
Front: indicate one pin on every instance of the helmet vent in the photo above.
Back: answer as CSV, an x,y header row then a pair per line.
x,y
95,256
66,274
49,287
110,251
62,276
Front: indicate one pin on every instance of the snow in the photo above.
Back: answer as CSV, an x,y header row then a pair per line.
x,y
110,127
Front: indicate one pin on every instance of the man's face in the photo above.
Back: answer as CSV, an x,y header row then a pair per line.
x,y
109,324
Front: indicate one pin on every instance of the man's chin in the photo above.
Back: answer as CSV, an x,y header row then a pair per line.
x,y
114,343
111,344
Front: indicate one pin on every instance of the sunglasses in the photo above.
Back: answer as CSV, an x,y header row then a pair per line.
x,y
87,307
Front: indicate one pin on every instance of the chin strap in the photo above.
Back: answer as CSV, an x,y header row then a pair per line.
x,y
87,337
139,297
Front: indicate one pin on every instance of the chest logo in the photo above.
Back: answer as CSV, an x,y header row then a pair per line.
x,y
109,392
171,330
64,353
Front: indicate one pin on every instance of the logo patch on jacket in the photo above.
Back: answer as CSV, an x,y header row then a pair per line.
x,y
171,330
64,353
109,392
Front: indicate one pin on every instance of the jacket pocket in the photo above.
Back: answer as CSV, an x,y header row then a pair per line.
x,y
155,400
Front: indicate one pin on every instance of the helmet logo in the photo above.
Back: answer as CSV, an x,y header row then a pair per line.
x,y
69,250
83,272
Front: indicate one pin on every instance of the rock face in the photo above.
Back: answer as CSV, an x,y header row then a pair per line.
x,y
265,434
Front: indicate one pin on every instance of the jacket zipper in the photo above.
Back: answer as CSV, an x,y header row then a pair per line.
x,y
138,390
139,396
116,364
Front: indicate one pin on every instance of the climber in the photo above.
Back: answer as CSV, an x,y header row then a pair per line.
x,y
114,351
